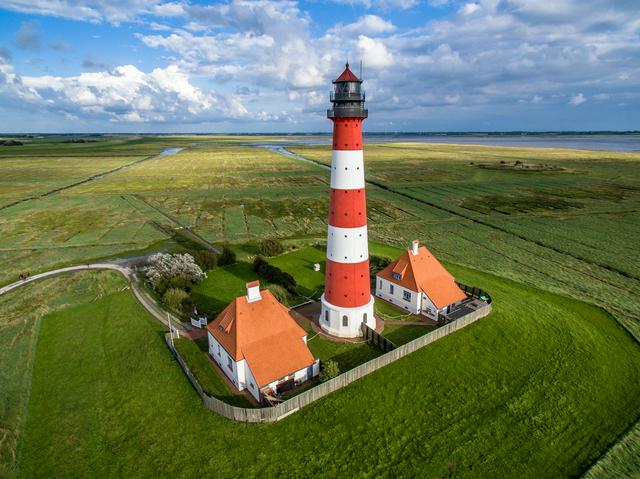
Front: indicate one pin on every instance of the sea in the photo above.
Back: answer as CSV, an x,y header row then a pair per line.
x,y
628,142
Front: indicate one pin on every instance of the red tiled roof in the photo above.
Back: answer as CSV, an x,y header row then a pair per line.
x,y
265,335
347,75
424,273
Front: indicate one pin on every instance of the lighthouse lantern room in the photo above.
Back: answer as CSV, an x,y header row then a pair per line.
x,y
347,301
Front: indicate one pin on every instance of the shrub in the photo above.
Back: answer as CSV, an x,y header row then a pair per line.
x,y
279,292
206,259
174,297
330,370
274,274
377,264
271,247
227,257
178,271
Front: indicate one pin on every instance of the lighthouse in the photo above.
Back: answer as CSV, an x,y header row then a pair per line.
x,y
347,301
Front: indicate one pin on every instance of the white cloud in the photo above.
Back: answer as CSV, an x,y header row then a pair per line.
x,y
487,55
368,25
374,53
388,4
469,8
124,94
114,11
578,99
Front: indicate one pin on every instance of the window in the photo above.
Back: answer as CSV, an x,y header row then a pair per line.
x,y
390,289
252,386
326,316
229,363
218,349
345,321
406,295
364,318
380,283
397,276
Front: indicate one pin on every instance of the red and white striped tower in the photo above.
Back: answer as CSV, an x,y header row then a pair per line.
x,y
347,301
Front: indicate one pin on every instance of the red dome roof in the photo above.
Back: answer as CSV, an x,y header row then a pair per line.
x,y
347,75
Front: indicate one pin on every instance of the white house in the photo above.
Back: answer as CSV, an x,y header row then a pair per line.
x,y
259,346
417,282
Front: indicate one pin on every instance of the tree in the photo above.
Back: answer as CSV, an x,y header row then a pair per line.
x,y
167,271
279,292
206,259
271,247
330,370
273,274
173,297
227,257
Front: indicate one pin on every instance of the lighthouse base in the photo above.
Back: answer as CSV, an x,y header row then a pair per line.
x,y
345,322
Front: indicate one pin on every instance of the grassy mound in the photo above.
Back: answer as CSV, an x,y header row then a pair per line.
x,y
539,389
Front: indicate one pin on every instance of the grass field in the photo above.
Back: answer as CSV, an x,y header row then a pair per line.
x,y
20,313
400,334
209,379
389,312
570,228
540,389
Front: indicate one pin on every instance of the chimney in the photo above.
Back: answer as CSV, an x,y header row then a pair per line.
x,y
414,247
253,291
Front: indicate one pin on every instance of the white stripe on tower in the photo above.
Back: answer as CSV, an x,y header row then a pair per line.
x,y
347,245
347,169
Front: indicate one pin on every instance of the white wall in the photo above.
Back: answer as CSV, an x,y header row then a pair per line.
x,y
331,319
301,375
428,308
242,377
220,356
397,297
251,383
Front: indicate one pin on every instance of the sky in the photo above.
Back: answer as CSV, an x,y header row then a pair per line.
x,y
242,66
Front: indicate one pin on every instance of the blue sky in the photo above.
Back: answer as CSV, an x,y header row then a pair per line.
x,y
266,65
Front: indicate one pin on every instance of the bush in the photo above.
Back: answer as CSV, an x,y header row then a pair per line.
x,y
377,264
279,292
330,370
178,271
206,259
174,297
274,274
271,247
227,257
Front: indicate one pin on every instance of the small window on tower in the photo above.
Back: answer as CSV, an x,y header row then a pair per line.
x,y
326,316
364,318
345,321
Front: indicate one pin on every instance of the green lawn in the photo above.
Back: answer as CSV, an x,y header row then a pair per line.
x,y
299,264
20,313
538,389
206,374
389,312
400,334
547,229
347,355
223,285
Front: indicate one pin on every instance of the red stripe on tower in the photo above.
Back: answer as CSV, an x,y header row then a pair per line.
x,y
347,300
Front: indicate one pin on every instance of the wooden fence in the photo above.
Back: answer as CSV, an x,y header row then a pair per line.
x,y
376,339
290,406
475,292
